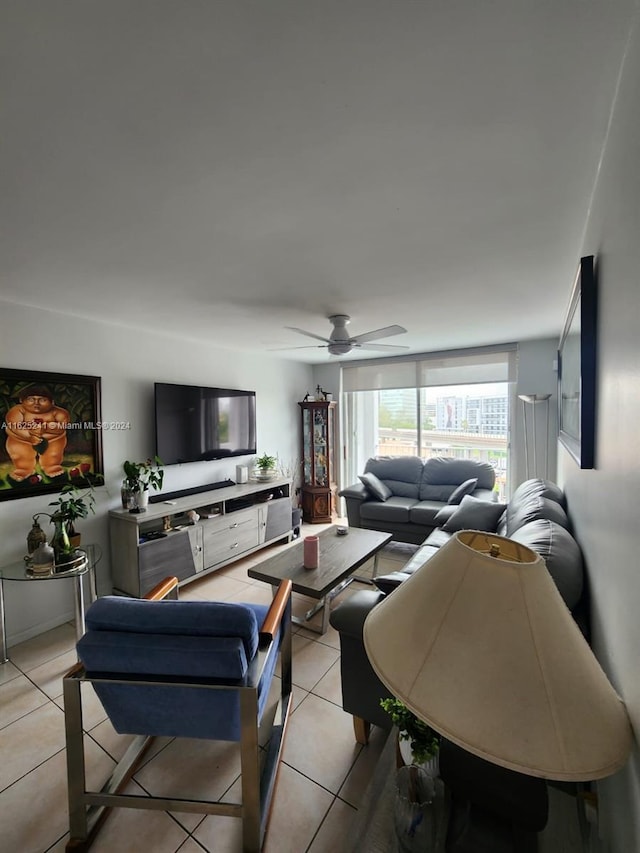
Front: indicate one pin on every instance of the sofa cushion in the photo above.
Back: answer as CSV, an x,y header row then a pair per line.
x,y
424,513
376,487
441,475
463,489
391,511
400,473
537,487
424,553
474,514
561,553
520,512
437,538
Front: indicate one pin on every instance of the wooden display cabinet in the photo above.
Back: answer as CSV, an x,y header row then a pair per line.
x,y
318,461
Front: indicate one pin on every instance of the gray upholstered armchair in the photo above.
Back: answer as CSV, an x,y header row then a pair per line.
x,y
194,669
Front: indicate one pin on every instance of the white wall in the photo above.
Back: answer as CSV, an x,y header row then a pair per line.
x,y
604,503
129,362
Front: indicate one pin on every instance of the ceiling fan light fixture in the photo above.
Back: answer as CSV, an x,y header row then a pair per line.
x,y
339,347
341,343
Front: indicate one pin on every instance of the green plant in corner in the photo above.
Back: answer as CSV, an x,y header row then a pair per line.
x,y
425,743
139,476
266,463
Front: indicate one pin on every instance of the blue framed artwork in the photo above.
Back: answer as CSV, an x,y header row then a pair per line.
x,y
577,356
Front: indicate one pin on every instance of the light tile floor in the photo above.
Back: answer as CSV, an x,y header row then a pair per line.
x,y
322,779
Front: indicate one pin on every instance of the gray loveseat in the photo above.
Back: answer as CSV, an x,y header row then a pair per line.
x,y
402,495
535,516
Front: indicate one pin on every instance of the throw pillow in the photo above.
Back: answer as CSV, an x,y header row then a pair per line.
x,y
474,514
375,486
463,489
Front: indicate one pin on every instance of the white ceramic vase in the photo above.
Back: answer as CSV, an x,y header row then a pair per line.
x,y
430,767
141,500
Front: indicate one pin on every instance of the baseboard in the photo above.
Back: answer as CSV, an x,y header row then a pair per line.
x,y
40,628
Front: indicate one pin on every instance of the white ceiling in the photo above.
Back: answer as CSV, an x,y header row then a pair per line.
x,y
222,169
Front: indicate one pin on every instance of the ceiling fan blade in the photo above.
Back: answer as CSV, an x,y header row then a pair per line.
x,y
308,334
385,332
310,346
380,347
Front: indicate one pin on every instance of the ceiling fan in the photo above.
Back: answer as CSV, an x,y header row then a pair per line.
x,y
340,342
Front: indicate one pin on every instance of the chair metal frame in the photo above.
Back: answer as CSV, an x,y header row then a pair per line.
x,y
88,809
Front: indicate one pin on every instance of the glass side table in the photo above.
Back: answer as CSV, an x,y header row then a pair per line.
x,y
19,571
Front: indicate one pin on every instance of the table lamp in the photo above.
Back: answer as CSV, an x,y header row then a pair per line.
x,y
479,644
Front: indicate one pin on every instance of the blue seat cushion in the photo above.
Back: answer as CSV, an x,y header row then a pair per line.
x,y
187,618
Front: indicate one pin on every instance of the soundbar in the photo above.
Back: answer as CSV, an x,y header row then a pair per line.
x,y
183,493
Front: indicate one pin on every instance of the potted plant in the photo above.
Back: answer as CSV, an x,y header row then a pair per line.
x,y
266,466
73,503
422,740
138,477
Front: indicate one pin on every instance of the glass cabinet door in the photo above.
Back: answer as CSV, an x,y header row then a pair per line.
x,y
307,434
320,448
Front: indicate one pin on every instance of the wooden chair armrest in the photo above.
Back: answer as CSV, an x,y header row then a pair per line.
x,y
163,590
276,611
76,669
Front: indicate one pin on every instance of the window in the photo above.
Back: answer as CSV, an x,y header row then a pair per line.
x,y
466,419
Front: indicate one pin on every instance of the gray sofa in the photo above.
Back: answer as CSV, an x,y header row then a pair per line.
x,y
535,516
402,495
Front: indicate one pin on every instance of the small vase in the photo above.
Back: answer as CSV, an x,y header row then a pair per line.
x,y
126,496
417,810
60,542
311,552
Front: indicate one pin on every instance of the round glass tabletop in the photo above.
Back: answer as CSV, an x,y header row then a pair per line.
x,y
87,558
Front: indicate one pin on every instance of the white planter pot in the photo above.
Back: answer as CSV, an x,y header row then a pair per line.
x,y
430,767
140,500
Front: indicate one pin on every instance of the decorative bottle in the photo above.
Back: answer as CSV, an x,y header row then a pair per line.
x,y
60,540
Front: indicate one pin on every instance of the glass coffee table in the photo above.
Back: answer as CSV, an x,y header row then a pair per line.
x,y
88,558
340,557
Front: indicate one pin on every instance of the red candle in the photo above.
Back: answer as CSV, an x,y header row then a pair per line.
x,y
311,552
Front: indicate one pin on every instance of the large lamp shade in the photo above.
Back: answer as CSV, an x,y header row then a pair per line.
x,y
479,644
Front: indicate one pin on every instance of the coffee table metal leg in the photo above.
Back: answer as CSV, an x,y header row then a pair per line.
x,y
324,604
374,572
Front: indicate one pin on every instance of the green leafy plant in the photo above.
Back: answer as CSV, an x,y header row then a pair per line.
x,y
138,476
74,503
424,742
266,462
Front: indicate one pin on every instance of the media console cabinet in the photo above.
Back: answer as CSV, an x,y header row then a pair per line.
x,y
234,521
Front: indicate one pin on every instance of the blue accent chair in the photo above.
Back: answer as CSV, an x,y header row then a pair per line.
x,y
169,668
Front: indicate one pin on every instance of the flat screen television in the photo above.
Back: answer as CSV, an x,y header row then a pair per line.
x,y
196,424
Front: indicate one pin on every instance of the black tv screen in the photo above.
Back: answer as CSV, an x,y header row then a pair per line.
x,y
195,424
